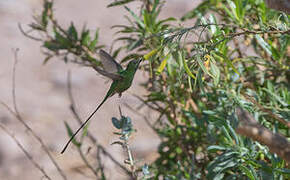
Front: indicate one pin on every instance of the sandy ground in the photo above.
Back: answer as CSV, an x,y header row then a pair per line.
x,y
42,93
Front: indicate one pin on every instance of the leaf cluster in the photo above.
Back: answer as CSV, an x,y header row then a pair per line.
x,y
197,77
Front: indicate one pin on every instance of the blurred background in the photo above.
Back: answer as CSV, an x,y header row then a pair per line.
x,y
42,96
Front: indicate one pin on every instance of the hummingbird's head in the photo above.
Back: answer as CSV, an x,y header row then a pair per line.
x,y
133,65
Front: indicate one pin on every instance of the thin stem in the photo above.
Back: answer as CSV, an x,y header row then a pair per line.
x,y
101,167
87,162
131,159
26,33
21,120
25,152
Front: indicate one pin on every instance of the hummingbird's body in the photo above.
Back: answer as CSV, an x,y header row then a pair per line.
x,y
122,80
119,86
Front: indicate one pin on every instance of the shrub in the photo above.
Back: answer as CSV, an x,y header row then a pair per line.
x,y
234,56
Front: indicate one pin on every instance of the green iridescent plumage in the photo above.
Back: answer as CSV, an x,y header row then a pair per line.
x,y
122,80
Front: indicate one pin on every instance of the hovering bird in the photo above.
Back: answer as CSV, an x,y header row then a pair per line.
x,y
122,80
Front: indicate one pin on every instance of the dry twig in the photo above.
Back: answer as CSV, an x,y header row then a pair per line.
x,y
29,156
21,120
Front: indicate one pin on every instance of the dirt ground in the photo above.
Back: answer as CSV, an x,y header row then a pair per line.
x,y
42,97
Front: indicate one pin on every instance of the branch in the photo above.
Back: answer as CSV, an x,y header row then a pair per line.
x,y
250,128
25,152
21,120
27,33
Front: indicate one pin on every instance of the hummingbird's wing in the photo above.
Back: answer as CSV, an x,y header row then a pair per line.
x,y
110,66
109,63
113,76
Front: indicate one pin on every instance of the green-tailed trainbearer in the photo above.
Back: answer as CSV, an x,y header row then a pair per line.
x,y
122,80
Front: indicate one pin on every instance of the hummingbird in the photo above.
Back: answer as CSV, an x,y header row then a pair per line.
x,y
122,80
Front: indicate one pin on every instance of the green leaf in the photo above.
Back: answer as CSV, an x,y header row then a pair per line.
x,y
128,39
214,29
147,21
52,45
85,38
156,96
163,64
94,42
227,134
85,131
215,72
219,176
72,32
186,68
116,52
117,123
228,12
171,67
228,61
233,133
130,56
47,9
267,47
209,112
48,57
199,80
282,170
137,19
166,20
248,172
118,3
135,44
70,134
151,53
63,42
44,19
276,97
215,148
201,65
234,9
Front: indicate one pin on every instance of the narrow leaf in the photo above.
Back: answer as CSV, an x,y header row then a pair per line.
x,y
163,64
137,19
117,124
151,53
187,70
72,32
118,3
70,133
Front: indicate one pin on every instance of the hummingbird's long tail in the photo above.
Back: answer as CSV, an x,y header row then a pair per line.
x,y
84,123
